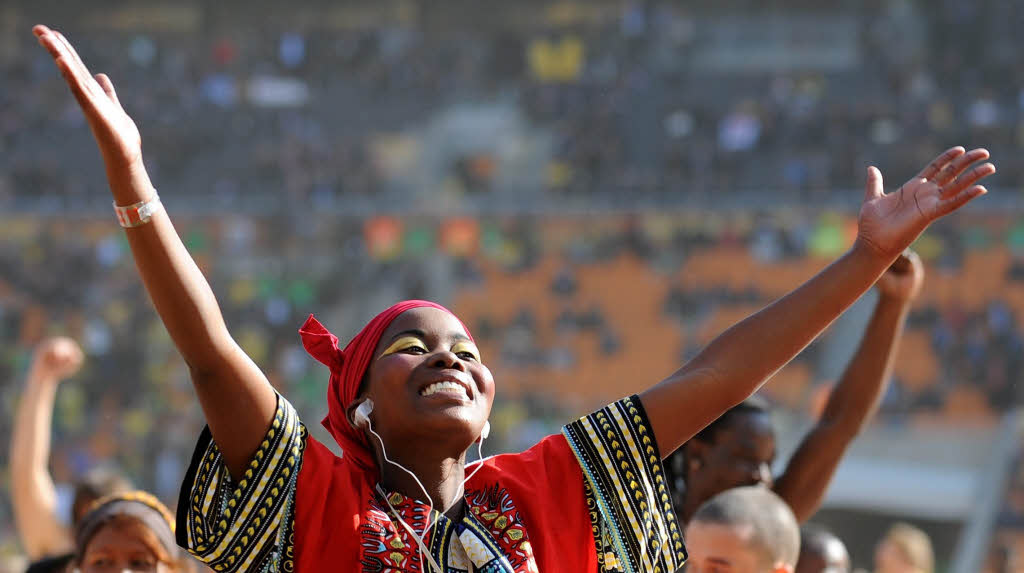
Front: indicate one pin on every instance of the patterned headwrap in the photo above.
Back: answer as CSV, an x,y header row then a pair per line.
x,y
348,367
139,505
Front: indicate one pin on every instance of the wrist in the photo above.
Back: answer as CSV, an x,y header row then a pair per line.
x,y
130,183
866,250
40,376
895,301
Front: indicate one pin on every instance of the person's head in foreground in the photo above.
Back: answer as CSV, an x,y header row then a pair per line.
x,y
735,450
743,530
125,532
821,552
904,549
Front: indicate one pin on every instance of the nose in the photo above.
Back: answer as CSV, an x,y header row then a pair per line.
x,y
447,359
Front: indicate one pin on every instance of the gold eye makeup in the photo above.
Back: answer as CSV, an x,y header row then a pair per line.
x,y
466,347
403,343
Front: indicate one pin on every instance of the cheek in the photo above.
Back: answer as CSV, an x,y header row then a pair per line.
x,y
391,372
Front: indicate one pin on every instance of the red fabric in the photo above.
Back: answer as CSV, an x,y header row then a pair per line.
x,y
333,493
545,483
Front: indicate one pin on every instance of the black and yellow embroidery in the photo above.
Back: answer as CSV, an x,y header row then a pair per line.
x,y
248,526
634,526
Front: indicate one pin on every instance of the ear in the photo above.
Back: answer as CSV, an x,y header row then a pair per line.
x,y
350,411
696,454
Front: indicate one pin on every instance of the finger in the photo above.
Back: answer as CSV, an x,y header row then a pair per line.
x,y
83,97
62,57
108,88
873,185
939,162
947,206
968,179
48,40
87,80
955,167
74,55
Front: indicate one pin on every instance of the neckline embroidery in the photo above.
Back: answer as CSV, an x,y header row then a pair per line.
x,y
489,536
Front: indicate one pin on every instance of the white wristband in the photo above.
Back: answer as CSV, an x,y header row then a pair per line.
x,y
138,214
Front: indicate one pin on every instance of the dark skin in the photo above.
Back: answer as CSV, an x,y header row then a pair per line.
x,y
423,346
742,452
239,403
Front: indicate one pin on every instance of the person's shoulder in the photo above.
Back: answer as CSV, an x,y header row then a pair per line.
x,y
550,454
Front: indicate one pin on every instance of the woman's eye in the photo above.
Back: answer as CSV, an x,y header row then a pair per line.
x,y
416,349
466,355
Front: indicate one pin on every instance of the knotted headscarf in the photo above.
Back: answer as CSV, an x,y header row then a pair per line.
x,y
348,368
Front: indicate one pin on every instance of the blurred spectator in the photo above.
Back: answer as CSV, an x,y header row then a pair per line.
x,y
745,530
904,549
33,492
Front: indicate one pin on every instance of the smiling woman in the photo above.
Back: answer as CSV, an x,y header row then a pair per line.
x,y
409,395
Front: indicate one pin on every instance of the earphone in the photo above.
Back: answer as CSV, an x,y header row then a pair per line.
x,y
361,419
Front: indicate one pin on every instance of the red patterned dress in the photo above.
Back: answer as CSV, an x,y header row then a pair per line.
x,y
591,499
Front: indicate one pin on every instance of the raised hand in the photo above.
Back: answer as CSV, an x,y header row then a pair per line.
x,y
889,222
116,134
904,279
57,358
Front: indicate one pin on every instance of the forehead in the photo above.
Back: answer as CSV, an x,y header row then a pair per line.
x,y
755,427
121,535
433,322
719,543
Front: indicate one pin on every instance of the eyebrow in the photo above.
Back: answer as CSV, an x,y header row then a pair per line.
x,y
420,334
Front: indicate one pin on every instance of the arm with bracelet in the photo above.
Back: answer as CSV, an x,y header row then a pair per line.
x,y
238,401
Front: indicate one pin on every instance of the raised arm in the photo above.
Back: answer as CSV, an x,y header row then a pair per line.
x,y
236,397
32,491
855,399
737,363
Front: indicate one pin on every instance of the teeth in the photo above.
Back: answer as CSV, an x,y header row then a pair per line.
x,y
444,386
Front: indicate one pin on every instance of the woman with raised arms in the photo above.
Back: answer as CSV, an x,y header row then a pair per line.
x,y
410,394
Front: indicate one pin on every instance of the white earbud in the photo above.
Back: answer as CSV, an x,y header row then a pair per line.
x,y
486,432
361,418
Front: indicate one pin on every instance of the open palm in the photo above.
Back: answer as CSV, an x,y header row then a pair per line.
x,y
889,222
116,134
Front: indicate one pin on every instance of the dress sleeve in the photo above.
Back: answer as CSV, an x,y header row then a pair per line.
x,y
634,525
244,526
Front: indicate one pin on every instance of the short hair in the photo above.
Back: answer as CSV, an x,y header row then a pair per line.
x,y
914,544
775,533
815,539
752,405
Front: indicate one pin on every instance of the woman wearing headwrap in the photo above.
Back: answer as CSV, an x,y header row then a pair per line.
x,y
129,531
410,394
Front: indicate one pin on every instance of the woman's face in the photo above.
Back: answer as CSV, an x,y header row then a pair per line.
x,y
426,379
740,455
121,547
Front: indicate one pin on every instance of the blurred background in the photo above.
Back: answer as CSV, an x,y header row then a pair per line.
x,y
597,188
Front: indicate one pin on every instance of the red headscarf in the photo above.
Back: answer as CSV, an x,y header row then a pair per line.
x,y
348,367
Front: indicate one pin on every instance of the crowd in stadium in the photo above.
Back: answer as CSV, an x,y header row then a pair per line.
x,y
621,97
